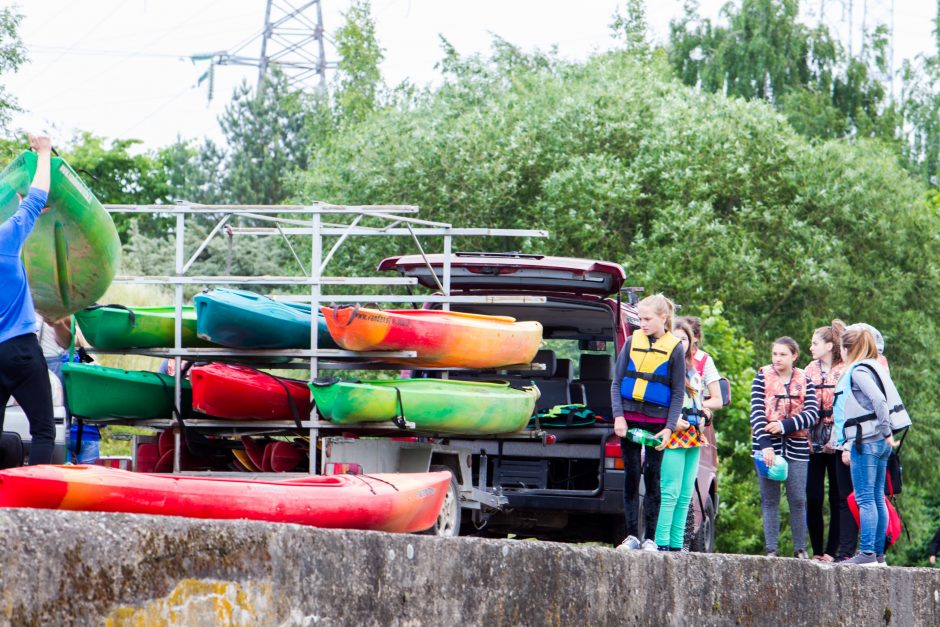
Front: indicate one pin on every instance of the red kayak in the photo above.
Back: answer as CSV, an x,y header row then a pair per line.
x,y
406,502
241,393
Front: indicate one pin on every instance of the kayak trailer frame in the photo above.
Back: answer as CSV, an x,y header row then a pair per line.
x,y
343,449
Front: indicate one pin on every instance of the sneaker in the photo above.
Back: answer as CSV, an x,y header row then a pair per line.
x,y
863,559
771,553
630,544
881,559
663,549
684,549
801,554
649,545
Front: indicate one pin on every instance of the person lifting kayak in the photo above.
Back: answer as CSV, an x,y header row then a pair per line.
x,y
23,373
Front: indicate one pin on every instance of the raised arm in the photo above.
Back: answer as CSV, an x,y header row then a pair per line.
x,y
16,229
43,147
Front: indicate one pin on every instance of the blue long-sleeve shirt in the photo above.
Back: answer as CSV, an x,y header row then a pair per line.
x,y
17,316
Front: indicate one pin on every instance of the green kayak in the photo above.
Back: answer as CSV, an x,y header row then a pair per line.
x,y
74,251
100,393
114,327
440,406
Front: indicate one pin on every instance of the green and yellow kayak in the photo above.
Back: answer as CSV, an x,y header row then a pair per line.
x,y
436,405
101,393
74,250
115,327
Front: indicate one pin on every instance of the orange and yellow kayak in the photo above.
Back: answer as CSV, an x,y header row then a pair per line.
x,y
406,502
442,339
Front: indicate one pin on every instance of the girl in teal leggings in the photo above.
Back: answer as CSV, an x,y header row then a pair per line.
x,y
681,455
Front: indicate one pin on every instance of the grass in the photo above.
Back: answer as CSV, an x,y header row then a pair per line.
x,y
115,439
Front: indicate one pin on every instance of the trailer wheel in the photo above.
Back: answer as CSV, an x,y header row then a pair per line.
x,y
448,521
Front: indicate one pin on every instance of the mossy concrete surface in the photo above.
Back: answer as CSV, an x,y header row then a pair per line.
x,y
61,568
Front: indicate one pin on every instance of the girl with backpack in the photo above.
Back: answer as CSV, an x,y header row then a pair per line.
x,y
705,366
866,412
824,371
783,409
681,453
647,391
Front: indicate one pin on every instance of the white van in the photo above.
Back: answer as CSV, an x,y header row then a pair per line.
x,y
15,421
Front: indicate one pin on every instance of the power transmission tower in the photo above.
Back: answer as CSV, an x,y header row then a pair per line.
x,y
293,40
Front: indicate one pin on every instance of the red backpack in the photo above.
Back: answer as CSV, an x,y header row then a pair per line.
x,y
893,532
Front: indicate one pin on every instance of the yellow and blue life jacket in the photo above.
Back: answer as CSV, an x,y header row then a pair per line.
x,y
647,378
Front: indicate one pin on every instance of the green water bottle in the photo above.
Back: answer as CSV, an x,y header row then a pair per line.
x,y
642,436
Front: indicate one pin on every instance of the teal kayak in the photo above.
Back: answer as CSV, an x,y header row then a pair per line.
x,y
74,251
243,319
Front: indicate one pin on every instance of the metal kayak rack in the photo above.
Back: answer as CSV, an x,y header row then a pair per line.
x,y
316,222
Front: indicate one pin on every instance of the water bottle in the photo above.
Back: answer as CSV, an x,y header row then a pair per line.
x,y
642,436
780,469
777,472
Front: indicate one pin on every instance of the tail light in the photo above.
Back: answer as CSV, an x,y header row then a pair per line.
x,y
612,457
338,468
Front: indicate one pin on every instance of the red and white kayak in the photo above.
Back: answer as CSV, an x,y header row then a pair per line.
x,y
406,502
241,393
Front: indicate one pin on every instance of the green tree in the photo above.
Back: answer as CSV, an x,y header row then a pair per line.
x,y
12,56
117,171
705,197
629,25
760,50
920,107
358,79
264,132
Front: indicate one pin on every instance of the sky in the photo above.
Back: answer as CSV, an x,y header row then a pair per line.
x,y
123,70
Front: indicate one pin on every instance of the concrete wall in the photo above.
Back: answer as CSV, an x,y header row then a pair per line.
x,y
74,568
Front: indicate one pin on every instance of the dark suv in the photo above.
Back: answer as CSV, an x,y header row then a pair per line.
x,y
567,484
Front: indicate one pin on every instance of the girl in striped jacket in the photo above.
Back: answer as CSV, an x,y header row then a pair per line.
x,y
783,409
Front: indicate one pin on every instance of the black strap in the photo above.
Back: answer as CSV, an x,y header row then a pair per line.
x,y
399,420
648,376
132,317
691,411
352,317
825,413
290,399
649,350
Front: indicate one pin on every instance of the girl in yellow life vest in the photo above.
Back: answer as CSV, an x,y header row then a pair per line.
x,y
647,392
682,451
824,371
783,408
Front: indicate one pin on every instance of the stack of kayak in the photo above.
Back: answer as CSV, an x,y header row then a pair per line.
x,y
402,503
239,319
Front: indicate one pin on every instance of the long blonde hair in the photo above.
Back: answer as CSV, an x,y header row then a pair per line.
x,y
662,306
858,344
683,325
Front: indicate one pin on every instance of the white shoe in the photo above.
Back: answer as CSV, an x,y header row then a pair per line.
x,y
631,543
649,545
